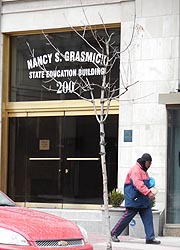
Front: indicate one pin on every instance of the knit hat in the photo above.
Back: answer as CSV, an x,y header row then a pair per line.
x,y
146,157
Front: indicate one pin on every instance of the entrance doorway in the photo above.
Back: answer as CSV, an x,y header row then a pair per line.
x,y
56,159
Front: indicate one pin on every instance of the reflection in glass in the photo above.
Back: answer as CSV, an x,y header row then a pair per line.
x,y
39,72
66,168
173,170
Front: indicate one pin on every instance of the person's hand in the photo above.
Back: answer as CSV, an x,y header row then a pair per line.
x,y
151,196
154,190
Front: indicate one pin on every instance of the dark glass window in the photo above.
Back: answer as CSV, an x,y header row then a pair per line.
x,y
56,159
173,169
46,67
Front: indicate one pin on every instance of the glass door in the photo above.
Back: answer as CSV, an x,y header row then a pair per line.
x,y
35,158
173,170
56,159
82,182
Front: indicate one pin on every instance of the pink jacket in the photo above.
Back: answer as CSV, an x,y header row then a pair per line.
x,y
136,188
138,176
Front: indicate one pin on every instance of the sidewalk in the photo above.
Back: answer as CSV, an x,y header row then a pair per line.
x,y
129,243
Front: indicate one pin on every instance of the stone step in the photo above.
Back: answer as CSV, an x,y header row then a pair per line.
x,y
90,215
91,220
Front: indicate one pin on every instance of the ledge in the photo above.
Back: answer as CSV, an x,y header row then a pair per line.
x,y
173,230
171,98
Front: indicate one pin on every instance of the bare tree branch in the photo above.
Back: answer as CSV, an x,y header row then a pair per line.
x,y
108,87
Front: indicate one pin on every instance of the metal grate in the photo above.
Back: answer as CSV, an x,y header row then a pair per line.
x,y
59,243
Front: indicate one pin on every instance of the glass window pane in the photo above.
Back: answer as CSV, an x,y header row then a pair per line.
x,y
56,159
173,171
46,69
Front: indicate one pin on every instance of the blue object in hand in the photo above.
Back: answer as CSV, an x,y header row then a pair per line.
x,y
151,182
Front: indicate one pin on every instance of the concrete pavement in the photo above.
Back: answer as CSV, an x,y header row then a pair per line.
x,y
129,243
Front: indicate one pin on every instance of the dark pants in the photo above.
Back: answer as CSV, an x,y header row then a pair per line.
x,y
147,219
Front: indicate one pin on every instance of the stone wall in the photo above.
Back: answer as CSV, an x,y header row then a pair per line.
x,y
154,64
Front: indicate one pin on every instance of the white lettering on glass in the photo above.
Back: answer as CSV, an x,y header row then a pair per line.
x,y
39,68
39,61
85,56
66,73
62,87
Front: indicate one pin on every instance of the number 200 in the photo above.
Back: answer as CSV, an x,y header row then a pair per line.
x,y
65,87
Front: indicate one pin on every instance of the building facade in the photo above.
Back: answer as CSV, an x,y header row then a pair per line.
x,y
50,138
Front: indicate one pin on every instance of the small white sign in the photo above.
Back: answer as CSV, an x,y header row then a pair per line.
x,y
44,144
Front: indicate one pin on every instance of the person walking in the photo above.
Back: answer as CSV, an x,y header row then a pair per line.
x,y
138,199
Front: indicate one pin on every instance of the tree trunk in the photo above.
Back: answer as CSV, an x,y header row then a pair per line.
x,y
105,186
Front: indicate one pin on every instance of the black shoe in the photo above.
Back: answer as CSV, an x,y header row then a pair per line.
x,y
115,238
155,242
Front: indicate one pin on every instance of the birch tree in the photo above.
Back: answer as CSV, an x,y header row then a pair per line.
x,y
103,47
